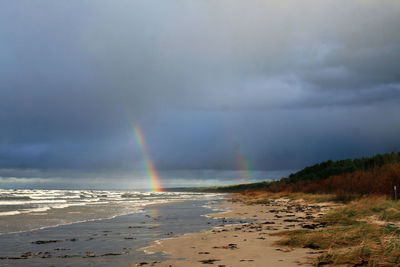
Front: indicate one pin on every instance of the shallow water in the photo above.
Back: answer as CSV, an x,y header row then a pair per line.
x,y
88,243
23,210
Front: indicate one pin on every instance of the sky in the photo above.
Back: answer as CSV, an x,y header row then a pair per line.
x,y
223,91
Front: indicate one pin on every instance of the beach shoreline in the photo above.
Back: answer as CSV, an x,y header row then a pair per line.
x,y
107,241
244,244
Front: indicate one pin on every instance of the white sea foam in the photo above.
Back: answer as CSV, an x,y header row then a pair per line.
x,y
18,202
8,213
52,197
26,201
42,209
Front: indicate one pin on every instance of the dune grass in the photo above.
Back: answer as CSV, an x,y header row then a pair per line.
x,y
368,208
263,197
365,232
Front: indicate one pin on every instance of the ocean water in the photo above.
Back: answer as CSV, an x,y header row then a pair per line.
x,y
110,230
29,209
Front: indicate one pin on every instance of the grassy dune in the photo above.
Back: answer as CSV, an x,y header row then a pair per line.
x,y
363,232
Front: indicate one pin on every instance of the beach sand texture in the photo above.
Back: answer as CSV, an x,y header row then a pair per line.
x,y
248,244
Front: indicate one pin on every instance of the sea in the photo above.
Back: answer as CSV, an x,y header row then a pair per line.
x,y
37,208
97,227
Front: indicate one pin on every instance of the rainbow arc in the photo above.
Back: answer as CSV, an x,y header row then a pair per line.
x,y
243,165
151,171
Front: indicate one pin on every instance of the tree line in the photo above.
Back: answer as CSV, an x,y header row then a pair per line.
x,y
367,175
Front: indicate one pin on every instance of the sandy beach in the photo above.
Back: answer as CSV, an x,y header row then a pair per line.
x,y
245,244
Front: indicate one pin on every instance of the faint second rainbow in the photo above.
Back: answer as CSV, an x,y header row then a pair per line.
x,y
243,165
148,164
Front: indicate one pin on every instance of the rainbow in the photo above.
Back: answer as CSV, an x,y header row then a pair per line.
x,y
148,164
243,165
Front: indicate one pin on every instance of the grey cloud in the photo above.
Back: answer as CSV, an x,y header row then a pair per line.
x,y
290,82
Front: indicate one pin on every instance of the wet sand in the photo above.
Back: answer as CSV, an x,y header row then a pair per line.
x,y
245,244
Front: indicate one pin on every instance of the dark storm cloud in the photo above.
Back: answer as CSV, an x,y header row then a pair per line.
x,y
283,84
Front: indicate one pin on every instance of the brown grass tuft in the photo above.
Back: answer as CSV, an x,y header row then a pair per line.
x,y
351,237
